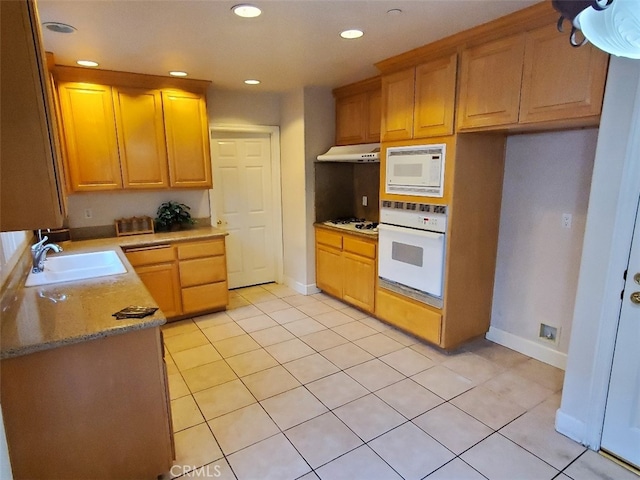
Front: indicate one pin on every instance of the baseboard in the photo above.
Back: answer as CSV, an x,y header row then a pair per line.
x,y
528,347
570,427
301,287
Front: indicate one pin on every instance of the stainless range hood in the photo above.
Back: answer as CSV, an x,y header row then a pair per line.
x,y
363,153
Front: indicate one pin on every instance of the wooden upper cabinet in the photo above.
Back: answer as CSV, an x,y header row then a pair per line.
x,y
435,94
351,115
397,105
567,83
529,79
358,112
133,131
90,136
140,130
490,82
31,189
187,134
374,103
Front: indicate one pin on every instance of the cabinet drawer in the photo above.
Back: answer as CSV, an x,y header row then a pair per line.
x,y
149,255
202,270
205,297
359,247
409,315
331,239
201,249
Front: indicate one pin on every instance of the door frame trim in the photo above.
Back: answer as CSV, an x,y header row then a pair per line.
x,y
276,185
613,205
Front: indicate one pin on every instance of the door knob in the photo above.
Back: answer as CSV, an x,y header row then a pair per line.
x,y
636,278
635,298
219,222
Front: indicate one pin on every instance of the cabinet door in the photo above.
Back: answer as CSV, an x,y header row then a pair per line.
x,y
328,270
566,84
351,118
32,194
202,270
162,281
210,296
435,97
140,127
359,281
90,136
374,100
187,133
397,106
490,80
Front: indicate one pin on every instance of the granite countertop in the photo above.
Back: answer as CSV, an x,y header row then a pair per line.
x,y
50,316
371,236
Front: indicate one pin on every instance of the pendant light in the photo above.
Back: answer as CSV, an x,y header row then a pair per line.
x,y
610,25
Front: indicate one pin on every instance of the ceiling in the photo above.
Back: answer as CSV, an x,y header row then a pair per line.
x,y
294,43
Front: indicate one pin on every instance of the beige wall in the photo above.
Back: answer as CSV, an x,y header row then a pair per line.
x,y
293,190
243,107
319,120
546,175
307,129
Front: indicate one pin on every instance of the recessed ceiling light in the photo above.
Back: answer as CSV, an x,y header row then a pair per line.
x,y
350,34
177,73
246,11
252,82
87,63
59,27
394,12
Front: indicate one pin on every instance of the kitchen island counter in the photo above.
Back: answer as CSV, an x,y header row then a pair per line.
x,y
49,316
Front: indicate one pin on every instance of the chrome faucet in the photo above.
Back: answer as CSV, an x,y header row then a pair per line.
x,y
39,253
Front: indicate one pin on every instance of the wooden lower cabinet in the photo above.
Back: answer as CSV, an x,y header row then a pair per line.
x,y
97,409
158,269
329,275
160,280
346,267
415,317
203,275
184,278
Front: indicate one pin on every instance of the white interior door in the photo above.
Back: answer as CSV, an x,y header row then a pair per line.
x,y
621,433
242,193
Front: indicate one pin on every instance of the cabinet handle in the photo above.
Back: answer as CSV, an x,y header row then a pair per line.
x,y
144,249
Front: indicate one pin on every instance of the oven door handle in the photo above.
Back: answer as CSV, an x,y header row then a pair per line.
x,y
408,230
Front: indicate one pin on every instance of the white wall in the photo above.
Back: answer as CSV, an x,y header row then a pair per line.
x,y
546,175
12,245
615,191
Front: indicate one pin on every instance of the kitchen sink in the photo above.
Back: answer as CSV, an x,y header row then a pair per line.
x,y
79,266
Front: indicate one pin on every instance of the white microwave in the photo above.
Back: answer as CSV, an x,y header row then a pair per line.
x,y
416,170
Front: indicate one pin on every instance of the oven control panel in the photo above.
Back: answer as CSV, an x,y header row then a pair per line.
x,y
414,215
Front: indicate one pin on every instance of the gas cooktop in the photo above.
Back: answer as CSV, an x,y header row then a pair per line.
x,y
355,225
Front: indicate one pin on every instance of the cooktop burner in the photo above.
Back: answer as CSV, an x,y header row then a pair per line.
x,y
354,224
346,221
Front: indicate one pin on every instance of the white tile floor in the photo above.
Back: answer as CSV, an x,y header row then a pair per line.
x,y
285,386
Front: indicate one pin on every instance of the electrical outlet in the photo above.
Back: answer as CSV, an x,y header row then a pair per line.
x,y
88,213
365,200
549,333
567,218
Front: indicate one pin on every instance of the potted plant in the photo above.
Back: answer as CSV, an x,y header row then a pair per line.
x,y
173,216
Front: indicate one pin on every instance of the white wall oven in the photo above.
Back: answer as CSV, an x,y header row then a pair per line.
x,y
411,256
416,170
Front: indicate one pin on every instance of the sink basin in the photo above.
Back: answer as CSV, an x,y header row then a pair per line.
x,y
79,266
